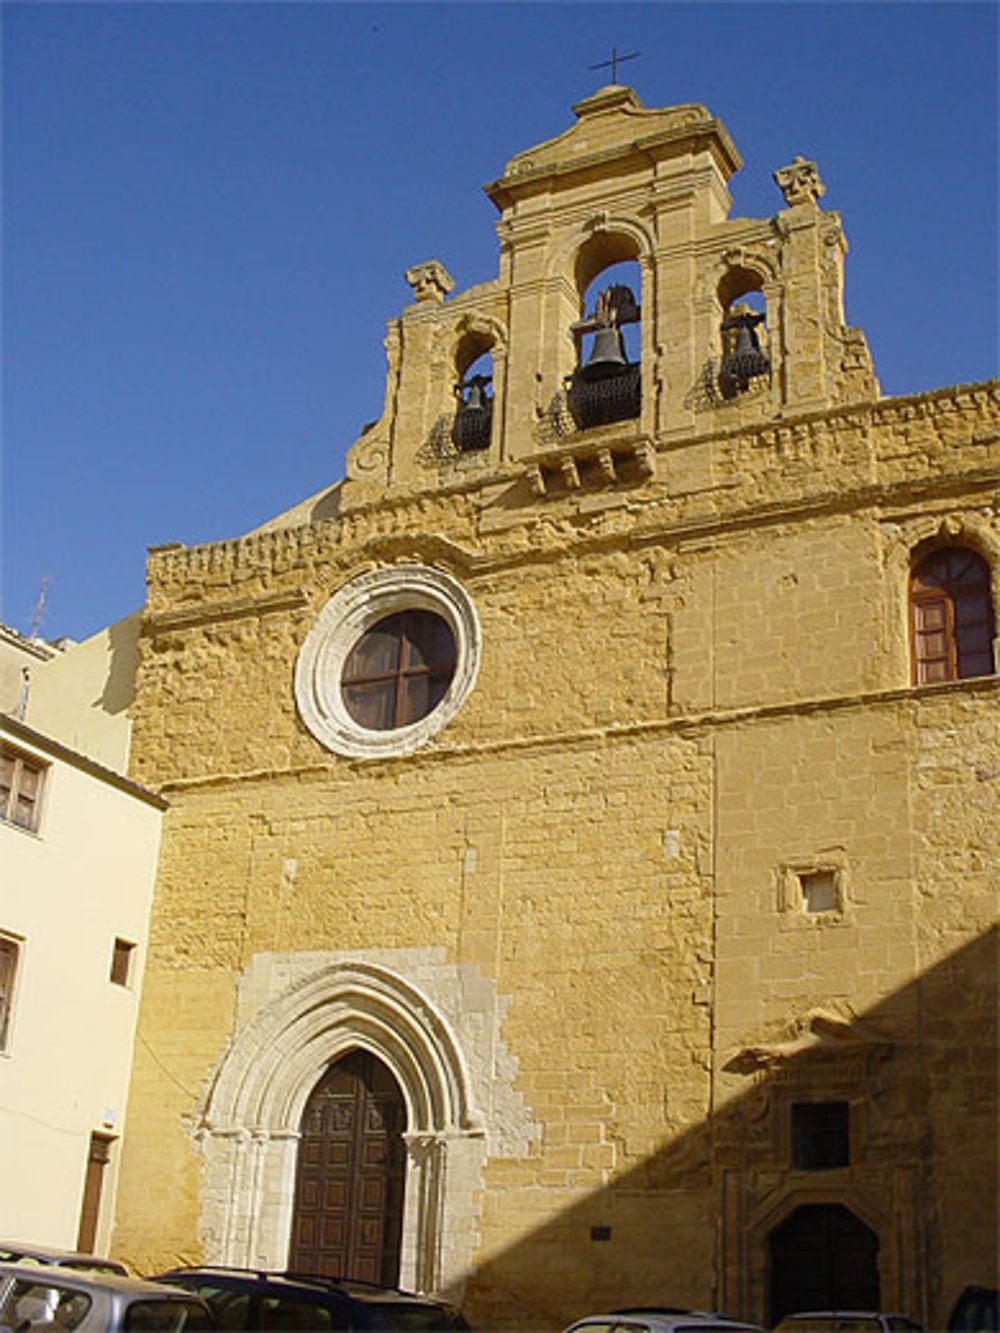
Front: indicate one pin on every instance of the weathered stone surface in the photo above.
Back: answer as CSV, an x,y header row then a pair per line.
x,y
586,890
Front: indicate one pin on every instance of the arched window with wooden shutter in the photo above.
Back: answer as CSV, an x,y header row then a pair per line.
x,y
951,616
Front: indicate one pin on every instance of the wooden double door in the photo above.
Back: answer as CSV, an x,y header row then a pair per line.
x,y
350,1178
822,1257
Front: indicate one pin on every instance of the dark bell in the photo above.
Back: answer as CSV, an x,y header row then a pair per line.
x,y
607,356
476,401
473,422
746,341
746,361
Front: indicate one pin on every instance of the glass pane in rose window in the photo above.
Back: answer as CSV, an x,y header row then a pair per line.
x,y
377,651
372,705
431,641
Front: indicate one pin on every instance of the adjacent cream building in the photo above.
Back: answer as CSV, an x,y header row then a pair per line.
x,y
78,849
579,882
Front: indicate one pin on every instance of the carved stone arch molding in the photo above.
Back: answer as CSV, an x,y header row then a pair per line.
x,y
297,1013
448,338
889,1206
783,1201
738,257
748,1221
604,223
487,326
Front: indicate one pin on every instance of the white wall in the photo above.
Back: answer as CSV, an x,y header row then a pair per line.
x,y
67,891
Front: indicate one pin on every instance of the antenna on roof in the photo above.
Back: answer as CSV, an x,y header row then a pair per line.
x,y
36,619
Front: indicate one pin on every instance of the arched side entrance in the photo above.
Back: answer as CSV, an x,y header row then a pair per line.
x,y
251,1129
351,1174
822,1257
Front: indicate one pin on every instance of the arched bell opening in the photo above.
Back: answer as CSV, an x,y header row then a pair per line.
x,y
472,427
744,346
605,385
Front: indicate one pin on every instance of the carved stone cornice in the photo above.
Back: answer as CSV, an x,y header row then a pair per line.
x,y
591,465
821,1036
235,608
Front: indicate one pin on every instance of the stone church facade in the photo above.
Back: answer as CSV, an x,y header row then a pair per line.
x,y
579,880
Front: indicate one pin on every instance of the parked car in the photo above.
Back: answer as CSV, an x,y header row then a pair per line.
x,y
660,1319
251,1299
54,1299
977,1310
847,1321
20,1252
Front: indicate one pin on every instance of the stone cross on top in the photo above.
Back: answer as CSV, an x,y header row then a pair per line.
x,y
615,61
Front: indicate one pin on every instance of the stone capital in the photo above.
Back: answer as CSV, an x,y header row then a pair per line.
x,y
799,182
430,280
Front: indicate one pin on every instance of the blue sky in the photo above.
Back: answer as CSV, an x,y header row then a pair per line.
x,y
208,210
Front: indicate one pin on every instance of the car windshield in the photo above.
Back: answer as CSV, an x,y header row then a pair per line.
x,y
30,1304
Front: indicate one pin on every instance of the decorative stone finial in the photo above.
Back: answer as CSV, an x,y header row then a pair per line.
x,y
430,280
799,182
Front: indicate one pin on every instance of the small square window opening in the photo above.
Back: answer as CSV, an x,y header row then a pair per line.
x,y
121,962
820,1135
819,890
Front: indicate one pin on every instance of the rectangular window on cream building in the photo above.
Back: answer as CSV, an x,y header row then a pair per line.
x,y
21,782
9,954
121,962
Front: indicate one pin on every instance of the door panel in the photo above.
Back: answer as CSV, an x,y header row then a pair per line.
x,y
822,1257
349,1183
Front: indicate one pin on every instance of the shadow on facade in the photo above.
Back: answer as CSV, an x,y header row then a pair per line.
x,y
725,1215
118,691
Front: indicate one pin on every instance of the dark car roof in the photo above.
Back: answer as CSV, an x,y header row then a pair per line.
x,y
337,1288
845,1314
350,1286
805,1316
666,1319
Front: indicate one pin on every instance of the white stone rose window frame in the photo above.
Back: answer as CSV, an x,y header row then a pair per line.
x,y
356,608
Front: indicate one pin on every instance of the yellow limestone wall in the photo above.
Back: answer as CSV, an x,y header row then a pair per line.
x,y
666,715
695,684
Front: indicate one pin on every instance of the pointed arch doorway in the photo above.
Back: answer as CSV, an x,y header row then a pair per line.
x,y
822,1257
350,1181
302,1018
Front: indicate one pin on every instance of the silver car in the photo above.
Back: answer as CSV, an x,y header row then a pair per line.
x,y
25,1252
53,1299
651,1320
